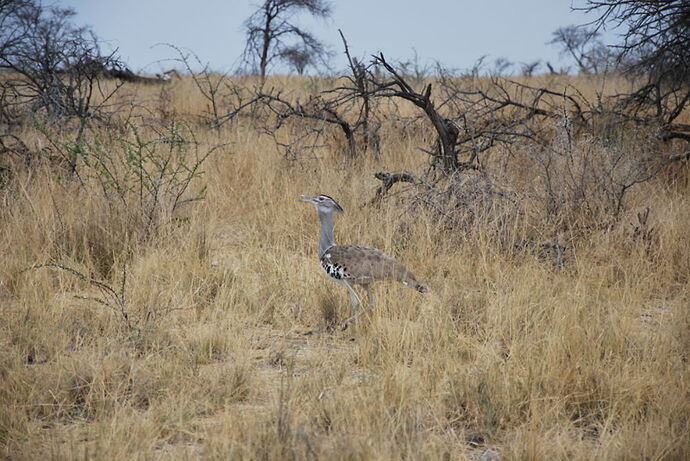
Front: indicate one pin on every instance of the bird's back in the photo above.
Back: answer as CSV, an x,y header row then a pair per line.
x,y
364,264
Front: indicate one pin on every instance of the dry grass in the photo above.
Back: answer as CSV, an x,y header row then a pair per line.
x,y
587,362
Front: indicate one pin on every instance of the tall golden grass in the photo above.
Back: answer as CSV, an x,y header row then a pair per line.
x,y
225,353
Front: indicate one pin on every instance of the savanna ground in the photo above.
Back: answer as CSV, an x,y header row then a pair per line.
x,y
205,332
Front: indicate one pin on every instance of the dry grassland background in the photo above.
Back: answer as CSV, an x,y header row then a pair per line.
x,y
204,331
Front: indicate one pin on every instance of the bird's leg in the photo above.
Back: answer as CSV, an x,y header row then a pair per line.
x,y
371,302
354,297
371,298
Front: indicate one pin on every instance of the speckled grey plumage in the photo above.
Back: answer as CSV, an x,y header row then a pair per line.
x,y
355,264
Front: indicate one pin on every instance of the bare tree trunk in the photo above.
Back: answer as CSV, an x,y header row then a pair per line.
x,y
266,44
264,56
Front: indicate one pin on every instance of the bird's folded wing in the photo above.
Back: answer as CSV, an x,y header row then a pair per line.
x,y
366,263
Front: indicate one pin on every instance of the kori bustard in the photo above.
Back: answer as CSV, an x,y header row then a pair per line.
x,y
352,265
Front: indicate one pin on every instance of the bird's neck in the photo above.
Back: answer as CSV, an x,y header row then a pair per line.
x,y
326,239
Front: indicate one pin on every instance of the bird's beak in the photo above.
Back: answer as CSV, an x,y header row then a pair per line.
x,y
307,198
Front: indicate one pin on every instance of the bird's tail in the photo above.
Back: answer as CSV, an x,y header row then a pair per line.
x,y
412,282
421,288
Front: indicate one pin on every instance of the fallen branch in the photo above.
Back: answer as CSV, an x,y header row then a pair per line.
x,y
388,179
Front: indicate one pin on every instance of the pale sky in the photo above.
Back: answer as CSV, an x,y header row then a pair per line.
x,y
455,33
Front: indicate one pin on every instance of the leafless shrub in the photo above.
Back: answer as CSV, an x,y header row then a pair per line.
x,y
308,124
465,203
349,107
579,154
397,87
470,115
584,182
225,99
655,48
575,147
53,65
655,35
358,92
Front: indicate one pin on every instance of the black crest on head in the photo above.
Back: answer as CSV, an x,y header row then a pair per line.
x,y
337,205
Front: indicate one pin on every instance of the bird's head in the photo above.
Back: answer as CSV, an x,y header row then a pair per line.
x,y
323,203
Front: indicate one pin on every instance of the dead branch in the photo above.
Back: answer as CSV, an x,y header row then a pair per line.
x,y
446,130
388,180
315,109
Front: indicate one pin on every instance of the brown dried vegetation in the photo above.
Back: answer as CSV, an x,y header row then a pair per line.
x,y
556,327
